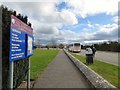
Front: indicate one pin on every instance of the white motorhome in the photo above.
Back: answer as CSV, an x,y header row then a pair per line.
x,y
74,47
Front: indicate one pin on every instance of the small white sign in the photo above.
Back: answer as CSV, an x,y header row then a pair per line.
x,y
30,46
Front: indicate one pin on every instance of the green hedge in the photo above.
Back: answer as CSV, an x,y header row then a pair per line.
x,y
21,66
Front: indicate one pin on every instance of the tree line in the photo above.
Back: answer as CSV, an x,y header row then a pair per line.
x,y
61,46
106,46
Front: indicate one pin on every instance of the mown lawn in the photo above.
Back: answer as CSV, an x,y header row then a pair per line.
x,y
40,60
107,71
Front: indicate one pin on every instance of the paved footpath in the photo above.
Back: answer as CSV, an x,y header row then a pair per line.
x,y
61,73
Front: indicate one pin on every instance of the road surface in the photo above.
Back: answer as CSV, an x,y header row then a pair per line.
x,y
109,57
61,73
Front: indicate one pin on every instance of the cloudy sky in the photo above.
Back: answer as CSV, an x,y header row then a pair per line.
x,y
65,21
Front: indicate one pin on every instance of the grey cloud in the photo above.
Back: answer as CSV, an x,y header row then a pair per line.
x,y
113,35
47,24
48,30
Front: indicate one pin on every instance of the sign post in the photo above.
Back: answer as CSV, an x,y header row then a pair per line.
x,y
11,75
28,79
21,45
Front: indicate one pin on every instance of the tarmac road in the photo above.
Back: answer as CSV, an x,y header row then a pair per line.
x,y
61,73
109,57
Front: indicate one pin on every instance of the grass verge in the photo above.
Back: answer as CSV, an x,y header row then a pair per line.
x,y
107,71
40,60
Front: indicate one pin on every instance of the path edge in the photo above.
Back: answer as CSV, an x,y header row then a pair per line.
x,y
95,79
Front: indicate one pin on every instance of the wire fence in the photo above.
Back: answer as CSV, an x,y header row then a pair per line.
x,y
20,71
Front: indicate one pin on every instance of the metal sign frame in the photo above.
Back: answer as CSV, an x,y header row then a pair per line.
x,y
19,42
19,34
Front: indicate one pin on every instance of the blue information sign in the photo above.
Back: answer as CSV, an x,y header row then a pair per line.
x,y
21,40
17,44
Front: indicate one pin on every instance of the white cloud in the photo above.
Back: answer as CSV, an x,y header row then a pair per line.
x,y
116,19
44,12
109,32
47,22
28,0
46,9
103,32
90,24
85,8
109,28
95,41
68,17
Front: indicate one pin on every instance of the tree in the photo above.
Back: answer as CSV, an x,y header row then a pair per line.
x,y
107,46
61,46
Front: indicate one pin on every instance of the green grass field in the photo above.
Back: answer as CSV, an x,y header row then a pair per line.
x,y
40,60
107,71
